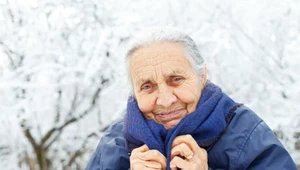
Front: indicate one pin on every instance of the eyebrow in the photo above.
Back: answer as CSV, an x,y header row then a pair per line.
x,y
175,72
142,81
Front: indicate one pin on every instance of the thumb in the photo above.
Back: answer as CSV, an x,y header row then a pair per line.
x,y
143,148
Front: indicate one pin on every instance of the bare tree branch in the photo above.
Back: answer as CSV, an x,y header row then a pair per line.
x,y
80,151
57,117
70,121
74,101
28,135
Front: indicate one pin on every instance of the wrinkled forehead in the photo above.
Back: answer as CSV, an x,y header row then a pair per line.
x,y
158,65
158,53
153,58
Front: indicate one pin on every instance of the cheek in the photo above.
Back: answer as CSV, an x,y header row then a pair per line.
x,y
146,103
188,94
185,96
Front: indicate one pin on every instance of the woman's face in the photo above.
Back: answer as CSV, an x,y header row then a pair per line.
x,y
165,85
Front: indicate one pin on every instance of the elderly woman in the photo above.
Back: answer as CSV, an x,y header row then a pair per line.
x,y
177,119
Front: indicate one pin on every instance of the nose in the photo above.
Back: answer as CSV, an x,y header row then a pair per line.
x,y
166,97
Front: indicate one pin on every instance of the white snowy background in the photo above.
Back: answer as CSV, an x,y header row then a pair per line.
x,y
63,80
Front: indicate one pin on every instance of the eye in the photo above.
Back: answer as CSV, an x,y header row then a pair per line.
x,y
146,87
176,80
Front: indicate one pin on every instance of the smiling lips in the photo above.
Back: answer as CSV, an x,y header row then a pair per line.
x,y
170,115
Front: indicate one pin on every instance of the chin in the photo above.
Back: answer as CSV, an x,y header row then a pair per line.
x,y
167,127
171,125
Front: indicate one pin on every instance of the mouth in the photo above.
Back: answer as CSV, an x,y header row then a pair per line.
x,y
167,116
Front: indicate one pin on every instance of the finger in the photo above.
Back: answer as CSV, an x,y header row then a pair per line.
x,y
137,164
154,155
143,167
146,168
187,139
140,149
153,165
137,151
178,162
202,155
181,149
203,152
143,148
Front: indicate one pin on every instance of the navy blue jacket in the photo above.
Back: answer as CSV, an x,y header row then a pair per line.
x,y
248,143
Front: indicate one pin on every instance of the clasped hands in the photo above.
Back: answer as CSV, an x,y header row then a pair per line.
x,y
185,154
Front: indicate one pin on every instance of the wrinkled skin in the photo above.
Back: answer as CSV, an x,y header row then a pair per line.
x,y
165,85
182,147
144,159
167,89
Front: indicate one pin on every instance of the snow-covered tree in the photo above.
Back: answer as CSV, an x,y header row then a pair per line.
x,y
63,77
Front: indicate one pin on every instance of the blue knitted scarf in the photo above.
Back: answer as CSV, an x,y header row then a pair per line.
x,y
206,124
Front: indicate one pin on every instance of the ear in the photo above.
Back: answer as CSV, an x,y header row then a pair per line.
x,y
204,75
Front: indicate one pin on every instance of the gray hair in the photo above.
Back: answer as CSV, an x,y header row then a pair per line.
x,y
152,36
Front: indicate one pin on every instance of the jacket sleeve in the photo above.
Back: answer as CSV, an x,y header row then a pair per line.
x,y
111,153
262,150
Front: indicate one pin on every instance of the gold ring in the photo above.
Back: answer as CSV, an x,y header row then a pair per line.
x,y
190,156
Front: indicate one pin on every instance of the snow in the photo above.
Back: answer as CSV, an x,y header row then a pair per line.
x,y
65,59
